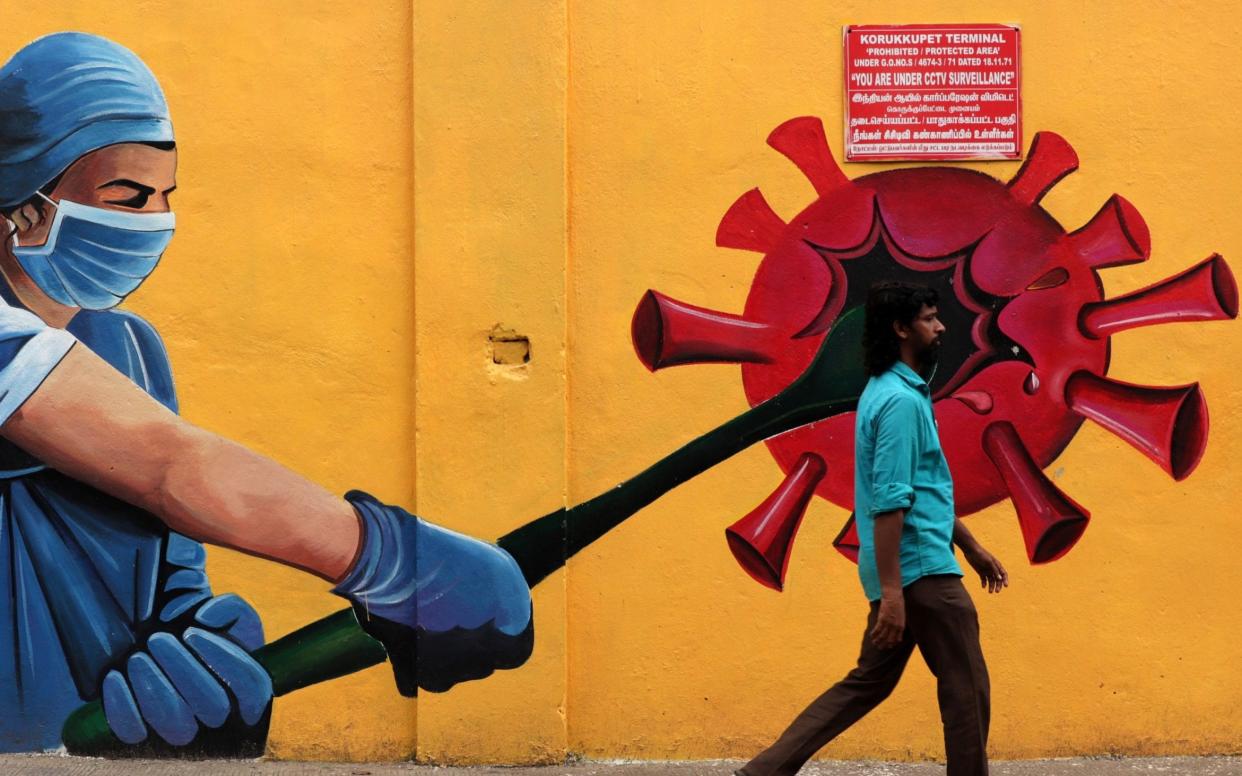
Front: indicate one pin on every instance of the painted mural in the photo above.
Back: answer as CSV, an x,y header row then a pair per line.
x,y
116,641
1009,396
106,495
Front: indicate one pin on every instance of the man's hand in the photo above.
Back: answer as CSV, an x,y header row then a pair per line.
x,y
890,624
992,574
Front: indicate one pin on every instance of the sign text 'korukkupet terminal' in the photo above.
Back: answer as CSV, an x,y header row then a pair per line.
x,y
936,91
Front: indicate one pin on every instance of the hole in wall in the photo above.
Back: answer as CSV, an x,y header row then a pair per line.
x,y
508,347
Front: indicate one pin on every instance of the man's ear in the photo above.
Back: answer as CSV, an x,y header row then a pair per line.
x,y
902,330
27,222
28,217
7,229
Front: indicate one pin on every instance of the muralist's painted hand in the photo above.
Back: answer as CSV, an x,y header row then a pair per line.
x,y
186,592
461,605
186,597
195,670
179,684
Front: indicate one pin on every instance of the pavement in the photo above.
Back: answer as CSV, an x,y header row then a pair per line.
x,y
59,765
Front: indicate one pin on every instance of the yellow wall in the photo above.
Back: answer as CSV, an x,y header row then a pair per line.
x,y
546,163
490,237
1128,644
1125,645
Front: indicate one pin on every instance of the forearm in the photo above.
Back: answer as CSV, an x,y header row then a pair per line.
x,y
91,423
887,539
219,492
963,538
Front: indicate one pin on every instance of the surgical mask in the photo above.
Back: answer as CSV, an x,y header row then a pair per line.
x,y
94,258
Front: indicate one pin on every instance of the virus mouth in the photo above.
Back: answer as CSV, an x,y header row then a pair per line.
x,y
972,341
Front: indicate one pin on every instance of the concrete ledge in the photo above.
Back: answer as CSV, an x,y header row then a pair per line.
x,y
54,765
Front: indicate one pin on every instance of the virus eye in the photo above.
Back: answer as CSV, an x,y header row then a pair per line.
x,y
1050,279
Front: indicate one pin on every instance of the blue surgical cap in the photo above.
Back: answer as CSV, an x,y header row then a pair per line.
x,y
66,95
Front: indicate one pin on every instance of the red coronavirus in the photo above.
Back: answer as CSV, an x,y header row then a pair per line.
x,y
1028,352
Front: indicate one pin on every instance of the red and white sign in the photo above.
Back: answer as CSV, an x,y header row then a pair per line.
x,y
932,91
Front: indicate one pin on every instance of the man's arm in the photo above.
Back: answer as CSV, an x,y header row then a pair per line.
x,y
892,476
891,621
992,574
91,423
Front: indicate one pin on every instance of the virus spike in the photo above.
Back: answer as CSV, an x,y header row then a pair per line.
x,y
1049,160
667,332
846,542
1051,522
1168,425
750,224
803,142
1205,292
761,540
1114,236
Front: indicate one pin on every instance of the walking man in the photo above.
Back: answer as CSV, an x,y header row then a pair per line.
x,y
903,507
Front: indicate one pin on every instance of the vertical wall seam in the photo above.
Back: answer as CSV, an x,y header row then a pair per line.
x,y
567,172
413,237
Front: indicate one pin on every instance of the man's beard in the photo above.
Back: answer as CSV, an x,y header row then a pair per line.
x,y
928,356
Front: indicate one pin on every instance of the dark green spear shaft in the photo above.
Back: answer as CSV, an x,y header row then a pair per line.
x,y
337,645
830,385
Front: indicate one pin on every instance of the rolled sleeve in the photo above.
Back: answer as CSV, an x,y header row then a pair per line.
x,y
896,455
29,351
890,497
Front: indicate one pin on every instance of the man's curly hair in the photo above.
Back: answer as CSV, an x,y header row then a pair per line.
x,y
889,302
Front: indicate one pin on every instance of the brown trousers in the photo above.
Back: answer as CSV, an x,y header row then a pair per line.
x,y
941,621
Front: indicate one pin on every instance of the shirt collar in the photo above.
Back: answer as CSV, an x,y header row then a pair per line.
x,y
911,377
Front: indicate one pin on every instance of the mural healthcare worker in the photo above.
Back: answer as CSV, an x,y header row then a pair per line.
x,y
103,593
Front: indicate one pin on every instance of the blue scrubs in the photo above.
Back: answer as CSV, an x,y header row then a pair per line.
x,y
82,574
85,578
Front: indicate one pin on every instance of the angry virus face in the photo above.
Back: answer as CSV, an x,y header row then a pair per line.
x,y
1024,360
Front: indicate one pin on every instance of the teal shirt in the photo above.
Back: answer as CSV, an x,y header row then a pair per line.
x,y
898,464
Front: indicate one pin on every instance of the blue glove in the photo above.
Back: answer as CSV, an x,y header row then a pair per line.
x,y
461,605
179,684
188,678
186,587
